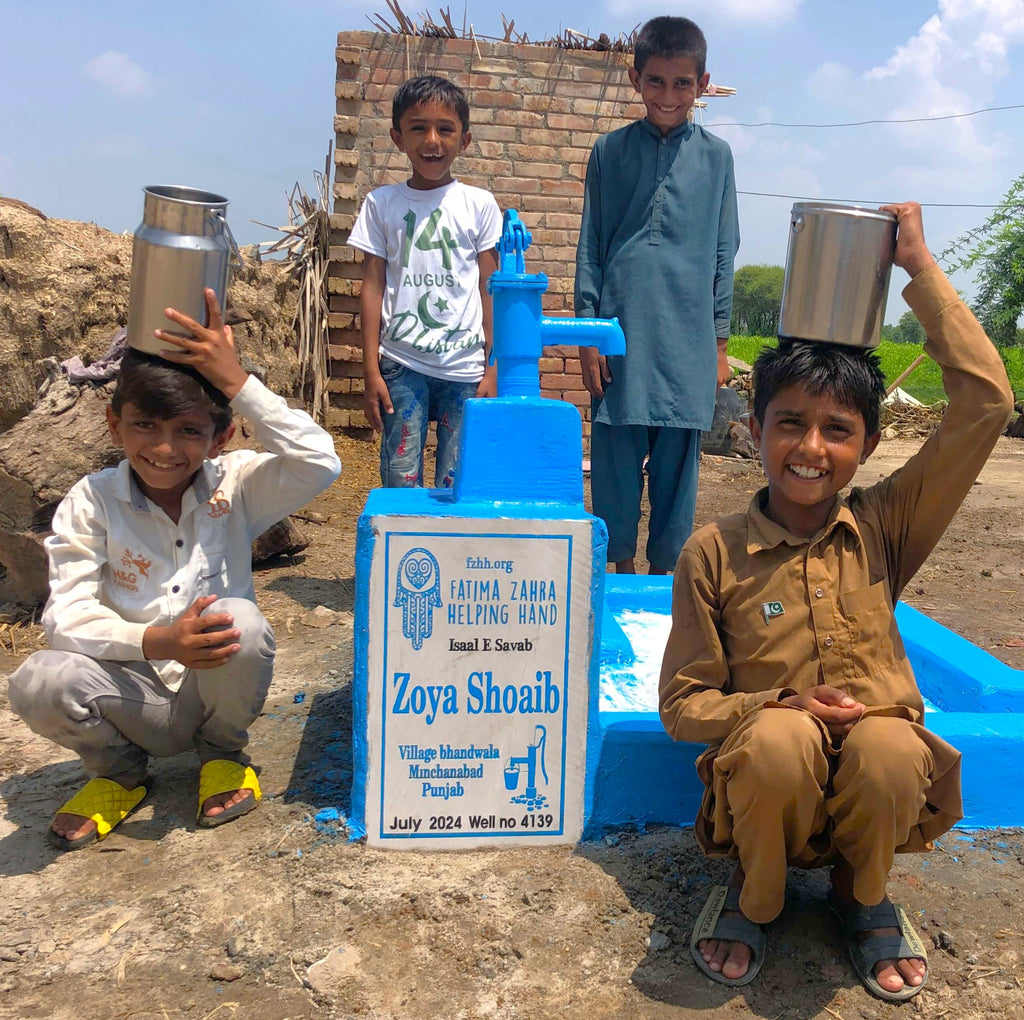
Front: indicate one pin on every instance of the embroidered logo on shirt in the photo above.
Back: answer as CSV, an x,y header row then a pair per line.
x,y
771,609
219,505
143,565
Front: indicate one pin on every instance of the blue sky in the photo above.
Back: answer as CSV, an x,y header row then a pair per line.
x,y
99,99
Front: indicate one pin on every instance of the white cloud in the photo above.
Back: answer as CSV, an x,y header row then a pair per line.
x,y
761,11
950,66
119,74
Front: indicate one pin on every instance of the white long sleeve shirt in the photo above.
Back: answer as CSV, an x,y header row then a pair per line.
x,y
119,564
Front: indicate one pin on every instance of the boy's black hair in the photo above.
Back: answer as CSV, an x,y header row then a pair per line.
x,y
850,375
162,389
429,88
670,37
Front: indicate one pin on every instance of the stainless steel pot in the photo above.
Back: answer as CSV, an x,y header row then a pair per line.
x,y
837,273
182,246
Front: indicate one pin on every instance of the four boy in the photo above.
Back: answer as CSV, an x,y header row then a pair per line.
x,y
818,754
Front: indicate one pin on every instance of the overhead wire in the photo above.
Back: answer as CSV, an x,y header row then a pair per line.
x,y
863,123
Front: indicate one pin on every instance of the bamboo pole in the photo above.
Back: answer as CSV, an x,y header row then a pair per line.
x,y
906,372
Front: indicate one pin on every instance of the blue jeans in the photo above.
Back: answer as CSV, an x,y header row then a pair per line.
x,y
418,400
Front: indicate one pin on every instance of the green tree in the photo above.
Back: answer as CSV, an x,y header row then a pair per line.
x,y
908,330
998,255
756,300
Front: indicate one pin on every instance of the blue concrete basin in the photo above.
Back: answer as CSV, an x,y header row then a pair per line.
x,y
643,777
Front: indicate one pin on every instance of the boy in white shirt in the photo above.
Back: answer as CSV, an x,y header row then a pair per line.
x,y
156,644
424,309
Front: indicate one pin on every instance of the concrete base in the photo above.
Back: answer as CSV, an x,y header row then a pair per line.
x,y
982,715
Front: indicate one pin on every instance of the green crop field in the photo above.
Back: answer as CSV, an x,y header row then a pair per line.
x,y
925,382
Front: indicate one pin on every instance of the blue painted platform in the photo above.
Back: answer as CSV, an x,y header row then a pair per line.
x,y
644,778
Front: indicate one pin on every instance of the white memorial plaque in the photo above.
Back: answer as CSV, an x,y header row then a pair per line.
x,y
477,688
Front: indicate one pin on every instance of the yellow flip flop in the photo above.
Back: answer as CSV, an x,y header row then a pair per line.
x,y
222,776
103,801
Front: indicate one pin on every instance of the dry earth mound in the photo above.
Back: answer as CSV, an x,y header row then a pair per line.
x,y
64,291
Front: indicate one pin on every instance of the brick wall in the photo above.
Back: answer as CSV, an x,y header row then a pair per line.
x,y
535,112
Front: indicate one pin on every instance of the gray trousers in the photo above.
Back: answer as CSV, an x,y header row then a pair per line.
x,y
115,715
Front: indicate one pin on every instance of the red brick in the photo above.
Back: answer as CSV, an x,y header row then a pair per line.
x,y
346,125
343,303
581,398
537,153
550,364
487,150
568,187
569,121
545,136
492,132
517,185
348,89
519,118
560,351
338,286
524,168
561,219
558,381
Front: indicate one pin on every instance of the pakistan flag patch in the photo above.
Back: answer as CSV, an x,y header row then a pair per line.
x,y
771,609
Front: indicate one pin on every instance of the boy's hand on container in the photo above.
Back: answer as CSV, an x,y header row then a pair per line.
x,y
376,397
489,383
594,367
196,641
210,350
835,708
912,253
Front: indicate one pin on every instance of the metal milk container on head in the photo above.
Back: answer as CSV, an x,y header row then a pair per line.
x,y
182,246
838,266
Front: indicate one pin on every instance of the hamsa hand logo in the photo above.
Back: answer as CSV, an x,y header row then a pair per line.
x,y
418,592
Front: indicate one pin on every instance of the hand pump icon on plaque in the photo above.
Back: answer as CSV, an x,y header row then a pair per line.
x,y
530,798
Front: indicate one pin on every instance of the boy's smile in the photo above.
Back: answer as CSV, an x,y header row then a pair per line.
x,y
669,86
165,453
431,135
811,446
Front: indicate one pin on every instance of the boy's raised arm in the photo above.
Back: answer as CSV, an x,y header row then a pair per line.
x,y
210,350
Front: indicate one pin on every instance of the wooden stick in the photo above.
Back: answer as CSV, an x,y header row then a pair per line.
x,y
903,375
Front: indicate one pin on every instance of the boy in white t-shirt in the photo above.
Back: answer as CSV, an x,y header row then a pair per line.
x,y
425,312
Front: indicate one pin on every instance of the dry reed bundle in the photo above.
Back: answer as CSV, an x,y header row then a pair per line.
x,y
910,421
305,243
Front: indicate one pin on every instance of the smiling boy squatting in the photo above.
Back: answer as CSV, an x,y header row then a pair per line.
x,y
784,655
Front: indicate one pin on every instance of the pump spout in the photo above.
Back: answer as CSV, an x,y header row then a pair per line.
x,y
604,334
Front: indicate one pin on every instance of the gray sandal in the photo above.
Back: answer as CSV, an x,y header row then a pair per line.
x,y
711,925
864,954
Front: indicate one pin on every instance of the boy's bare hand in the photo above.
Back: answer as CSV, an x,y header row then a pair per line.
x,y
210,350
376,397
912,253
196,641
596,373
724,369
835,708
489,383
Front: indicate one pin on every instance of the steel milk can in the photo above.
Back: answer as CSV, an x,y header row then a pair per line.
x,y
838,266
182,246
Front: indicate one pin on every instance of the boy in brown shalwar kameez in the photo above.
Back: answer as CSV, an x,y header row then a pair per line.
x,y
784,653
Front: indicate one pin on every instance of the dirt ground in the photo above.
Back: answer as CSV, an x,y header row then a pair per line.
x,y
279,916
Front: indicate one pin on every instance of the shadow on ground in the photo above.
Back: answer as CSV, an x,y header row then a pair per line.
x,y
664,874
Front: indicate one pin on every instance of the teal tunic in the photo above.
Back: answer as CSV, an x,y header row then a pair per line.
x,y
657,244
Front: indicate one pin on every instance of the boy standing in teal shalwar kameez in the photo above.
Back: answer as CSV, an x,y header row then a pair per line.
x,y
657,242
